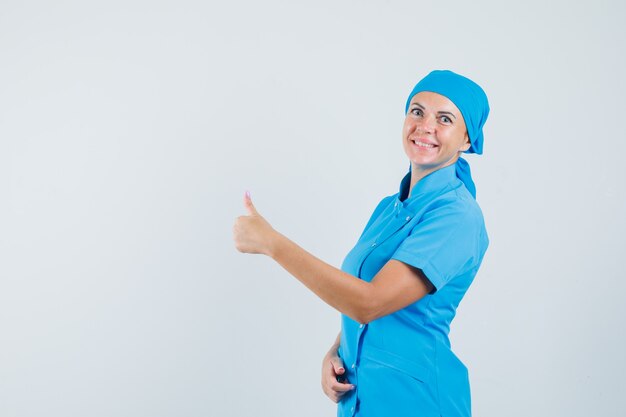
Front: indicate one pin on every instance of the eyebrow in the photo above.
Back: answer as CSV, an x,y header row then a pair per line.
x,y
440,112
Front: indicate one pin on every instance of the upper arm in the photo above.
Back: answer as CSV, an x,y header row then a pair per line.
x,y
445,244
394,287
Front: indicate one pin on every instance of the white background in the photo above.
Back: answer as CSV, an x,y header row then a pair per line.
x,y
129,131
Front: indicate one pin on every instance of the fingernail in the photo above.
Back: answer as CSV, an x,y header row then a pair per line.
x,y
341,369
352,387
247,193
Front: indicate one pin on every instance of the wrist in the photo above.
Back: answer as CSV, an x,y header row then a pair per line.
x,y
274,244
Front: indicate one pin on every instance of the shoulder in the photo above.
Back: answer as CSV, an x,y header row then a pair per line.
x,y
455,209
457,201
383,204
378,211
387,200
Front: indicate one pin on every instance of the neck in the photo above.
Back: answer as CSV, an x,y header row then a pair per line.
x,y
417,172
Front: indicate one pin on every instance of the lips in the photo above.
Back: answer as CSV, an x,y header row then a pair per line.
x,y
422,143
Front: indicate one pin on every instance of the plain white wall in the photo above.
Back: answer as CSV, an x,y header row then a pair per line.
x,y
129,131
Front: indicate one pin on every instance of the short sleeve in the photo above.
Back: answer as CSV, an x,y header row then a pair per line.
x,y
446,242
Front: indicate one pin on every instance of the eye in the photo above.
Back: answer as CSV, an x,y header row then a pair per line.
x,y
446,119
416,111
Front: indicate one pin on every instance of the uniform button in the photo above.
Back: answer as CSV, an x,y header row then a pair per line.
x,y
352,409
353,366
373,244
360,326
408,218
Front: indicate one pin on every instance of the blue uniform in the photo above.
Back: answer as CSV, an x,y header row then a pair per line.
x,y
401,363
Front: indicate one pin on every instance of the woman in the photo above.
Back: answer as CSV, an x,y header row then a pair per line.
x,y
399,287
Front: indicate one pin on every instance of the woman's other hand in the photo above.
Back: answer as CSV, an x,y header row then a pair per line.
x,y
332,368
252,233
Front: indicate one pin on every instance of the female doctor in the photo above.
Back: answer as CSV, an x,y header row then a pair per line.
x,y
399,287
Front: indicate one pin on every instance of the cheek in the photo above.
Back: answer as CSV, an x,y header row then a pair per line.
x,y
457,138
464,139
406,128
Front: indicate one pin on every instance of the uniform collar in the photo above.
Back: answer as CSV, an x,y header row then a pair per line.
x,y
431,183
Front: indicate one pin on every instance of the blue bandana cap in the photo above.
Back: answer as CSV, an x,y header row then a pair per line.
x,y
466,95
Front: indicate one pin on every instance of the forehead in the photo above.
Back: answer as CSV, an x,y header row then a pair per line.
x,y
435,102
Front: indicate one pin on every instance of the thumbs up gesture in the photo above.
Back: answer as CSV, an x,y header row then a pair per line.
x,y
252,233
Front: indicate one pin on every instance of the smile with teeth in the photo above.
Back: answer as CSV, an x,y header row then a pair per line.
x,y
423,144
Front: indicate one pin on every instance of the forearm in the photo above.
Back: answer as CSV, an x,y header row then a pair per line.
x,y
346,293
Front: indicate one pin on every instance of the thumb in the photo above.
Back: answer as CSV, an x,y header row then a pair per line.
x,y
337,365
247,202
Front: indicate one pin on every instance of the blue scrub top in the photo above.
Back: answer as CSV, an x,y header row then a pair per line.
x,y
401,363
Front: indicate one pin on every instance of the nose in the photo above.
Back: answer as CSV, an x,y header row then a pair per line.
x,y
426,124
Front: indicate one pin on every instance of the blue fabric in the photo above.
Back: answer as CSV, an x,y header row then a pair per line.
x,y
471,101
402,363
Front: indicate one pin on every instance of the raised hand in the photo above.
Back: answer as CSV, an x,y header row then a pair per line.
x,y
251,232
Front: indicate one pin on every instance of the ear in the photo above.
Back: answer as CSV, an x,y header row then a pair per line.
x,y
467,144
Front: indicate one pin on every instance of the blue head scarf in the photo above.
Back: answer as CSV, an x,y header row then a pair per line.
x,y
472,102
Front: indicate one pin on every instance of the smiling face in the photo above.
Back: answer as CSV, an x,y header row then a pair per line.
x,y
434,133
